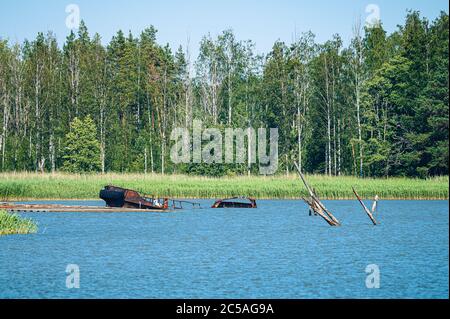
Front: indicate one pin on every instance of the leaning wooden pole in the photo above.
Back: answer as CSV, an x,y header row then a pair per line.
x,y
316,199
316,204
365,208
317,210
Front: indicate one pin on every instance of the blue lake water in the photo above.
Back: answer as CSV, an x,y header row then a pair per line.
x,y
274,251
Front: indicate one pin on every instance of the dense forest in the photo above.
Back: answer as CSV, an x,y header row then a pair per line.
x,y
377,107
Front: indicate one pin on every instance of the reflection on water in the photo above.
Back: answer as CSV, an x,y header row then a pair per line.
x,y
274,251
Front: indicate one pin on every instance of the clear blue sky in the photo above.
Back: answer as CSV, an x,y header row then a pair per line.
x,y
262,21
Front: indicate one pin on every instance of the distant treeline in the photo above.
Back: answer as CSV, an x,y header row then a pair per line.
x,y
378,107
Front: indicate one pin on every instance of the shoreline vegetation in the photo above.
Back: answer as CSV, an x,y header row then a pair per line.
x,y
11,224
60,186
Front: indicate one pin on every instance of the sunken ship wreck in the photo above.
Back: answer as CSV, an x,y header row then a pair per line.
x,y
235,202
115,196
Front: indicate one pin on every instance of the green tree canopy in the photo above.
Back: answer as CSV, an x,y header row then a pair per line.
x,y
81,149
377,106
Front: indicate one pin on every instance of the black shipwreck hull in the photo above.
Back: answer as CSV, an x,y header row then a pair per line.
x,y
113,197
235,202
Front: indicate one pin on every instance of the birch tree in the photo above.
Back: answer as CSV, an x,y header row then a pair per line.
x,y
357,64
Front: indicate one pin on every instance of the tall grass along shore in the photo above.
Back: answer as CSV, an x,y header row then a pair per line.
x,y
14,224
22,186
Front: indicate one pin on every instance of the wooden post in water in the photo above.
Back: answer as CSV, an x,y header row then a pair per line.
x,y
318,211
374,205
315,204
365,208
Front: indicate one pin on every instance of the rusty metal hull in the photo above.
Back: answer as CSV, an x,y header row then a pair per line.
x,y
232,203
121,197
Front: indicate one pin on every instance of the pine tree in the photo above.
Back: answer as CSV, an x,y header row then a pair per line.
x,y
81,147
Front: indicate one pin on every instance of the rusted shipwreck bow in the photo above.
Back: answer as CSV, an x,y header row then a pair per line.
x,y
115,196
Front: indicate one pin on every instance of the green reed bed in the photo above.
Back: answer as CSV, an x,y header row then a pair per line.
x,y
14,224
15,186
